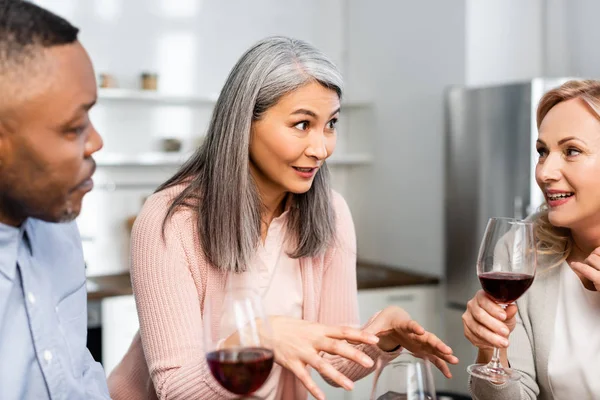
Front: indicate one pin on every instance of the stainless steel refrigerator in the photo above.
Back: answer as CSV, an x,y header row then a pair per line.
x,y
490,162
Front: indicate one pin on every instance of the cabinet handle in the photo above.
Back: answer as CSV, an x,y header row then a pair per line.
x,y
399,298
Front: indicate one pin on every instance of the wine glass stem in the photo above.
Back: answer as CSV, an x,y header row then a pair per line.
x,y
495,361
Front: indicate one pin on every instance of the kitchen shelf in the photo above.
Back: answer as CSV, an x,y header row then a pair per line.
x,y
176,159
140,160
151,96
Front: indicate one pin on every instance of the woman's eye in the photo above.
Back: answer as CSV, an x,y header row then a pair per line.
x,y
302,125
331,124
79,129
572,152
541,151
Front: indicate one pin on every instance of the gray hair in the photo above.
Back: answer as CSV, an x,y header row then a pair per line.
x,y
220,187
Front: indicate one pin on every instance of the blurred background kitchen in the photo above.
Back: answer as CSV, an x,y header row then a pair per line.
x,y
421,165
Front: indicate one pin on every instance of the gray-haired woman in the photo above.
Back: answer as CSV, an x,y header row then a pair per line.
x,y
258,193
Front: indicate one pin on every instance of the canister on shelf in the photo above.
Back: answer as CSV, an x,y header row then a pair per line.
x,y
149,81
107,81
171,145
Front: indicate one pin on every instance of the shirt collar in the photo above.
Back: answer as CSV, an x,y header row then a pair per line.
x,y
29,235
10,238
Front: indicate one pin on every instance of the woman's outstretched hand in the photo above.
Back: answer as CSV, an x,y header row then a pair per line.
x,y
394,327
298,344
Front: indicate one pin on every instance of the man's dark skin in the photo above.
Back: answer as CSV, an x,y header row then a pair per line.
x,y
46,137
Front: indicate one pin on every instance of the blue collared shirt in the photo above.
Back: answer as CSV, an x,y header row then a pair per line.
x,y
43,315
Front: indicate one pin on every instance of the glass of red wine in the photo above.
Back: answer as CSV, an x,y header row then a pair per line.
x,y
238,346
506,267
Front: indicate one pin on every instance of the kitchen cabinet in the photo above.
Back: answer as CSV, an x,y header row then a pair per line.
x,y
119,326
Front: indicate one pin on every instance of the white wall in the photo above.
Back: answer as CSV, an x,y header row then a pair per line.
x,y
403,55
192,44
557,52
504,40
572,38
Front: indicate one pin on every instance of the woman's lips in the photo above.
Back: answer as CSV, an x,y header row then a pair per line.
x,y
306,172
558,199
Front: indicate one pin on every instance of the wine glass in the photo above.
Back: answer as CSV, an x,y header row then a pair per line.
x,y
406,378
506,267
238,346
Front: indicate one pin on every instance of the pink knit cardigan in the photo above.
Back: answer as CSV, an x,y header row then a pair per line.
x,y
171,280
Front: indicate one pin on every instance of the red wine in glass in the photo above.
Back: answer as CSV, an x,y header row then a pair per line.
x,y
506,266
392,396
241,371
505,287
238,343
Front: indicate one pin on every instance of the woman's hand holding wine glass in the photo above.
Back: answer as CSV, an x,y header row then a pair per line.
x,y
506,267
488,325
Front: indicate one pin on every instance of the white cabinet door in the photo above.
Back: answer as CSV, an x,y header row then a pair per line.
x,y
119,326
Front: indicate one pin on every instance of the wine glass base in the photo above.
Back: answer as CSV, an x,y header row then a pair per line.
x,y
494,375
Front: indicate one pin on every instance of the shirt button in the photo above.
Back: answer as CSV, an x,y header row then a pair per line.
x,y
31,297
47,356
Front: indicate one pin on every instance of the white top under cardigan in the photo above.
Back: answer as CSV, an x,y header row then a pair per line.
x,y
574,362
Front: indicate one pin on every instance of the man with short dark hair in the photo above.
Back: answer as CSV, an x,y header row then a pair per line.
x,y
47,87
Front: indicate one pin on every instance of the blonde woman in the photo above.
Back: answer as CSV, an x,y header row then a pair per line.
x,y
554,327
258,191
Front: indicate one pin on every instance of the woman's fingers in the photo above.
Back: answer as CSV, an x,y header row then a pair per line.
x,y
351,334
482,316
491,307
593,260
437,348
414,327
441,365
441,348
480,336
511,311
344,349
328,371
302,374
587,271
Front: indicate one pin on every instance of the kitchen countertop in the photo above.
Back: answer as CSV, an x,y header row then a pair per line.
x,y
375,276
368,275
100,287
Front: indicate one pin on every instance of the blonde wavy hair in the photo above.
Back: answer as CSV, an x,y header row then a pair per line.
x,y
552,240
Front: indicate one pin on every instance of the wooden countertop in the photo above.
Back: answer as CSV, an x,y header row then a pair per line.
x,y
100,287
368,275
375,276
